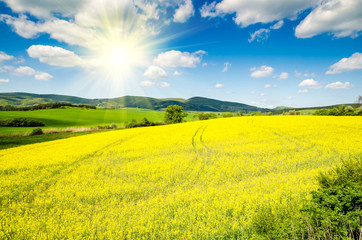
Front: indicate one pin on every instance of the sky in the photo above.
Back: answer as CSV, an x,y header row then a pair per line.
x,y
272,53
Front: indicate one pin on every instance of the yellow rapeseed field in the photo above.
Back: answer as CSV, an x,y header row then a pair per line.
x,y
198,180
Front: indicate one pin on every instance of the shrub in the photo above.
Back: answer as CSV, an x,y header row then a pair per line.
x,y
226,115
337,204
205,116
36,131
21,122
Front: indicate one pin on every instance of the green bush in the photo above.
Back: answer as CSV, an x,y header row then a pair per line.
x,y
334,211
36,131
337,204
175,114
21,122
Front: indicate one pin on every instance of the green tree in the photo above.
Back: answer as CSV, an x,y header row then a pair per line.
x,y
240,113
174,114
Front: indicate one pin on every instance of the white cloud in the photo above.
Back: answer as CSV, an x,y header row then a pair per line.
x,y
184,12
5,57
147,83
310,83
164,84
219,85
262,94
44,8
283,75
175,58
204,64
303,91
42,76
177,73
267,86
257,11
262,71
55,56
340,85
259,35
155,72
226,68
61,30
2,80
277,25
262,34
342,18
354,62
24,71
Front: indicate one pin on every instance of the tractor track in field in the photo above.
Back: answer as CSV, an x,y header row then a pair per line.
x,y
197,139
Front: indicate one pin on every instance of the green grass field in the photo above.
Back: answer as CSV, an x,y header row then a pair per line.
x,y
64,118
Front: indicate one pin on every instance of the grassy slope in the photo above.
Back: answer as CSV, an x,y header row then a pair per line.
x,y
199,180
10,142
63,118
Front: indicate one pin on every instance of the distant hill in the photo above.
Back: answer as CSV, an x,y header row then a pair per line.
x,y
192,104
282,109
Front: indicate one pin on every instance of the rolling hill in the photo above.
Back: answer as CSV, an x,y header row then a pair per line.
x,y
192,104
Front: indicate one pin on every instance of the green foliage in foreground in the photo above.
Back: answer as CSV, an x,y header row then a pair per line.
x,y
21,122
337,205
334,211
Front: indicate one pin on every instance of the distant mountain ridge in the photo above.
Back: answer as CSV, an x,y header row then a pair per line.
x,y
191,104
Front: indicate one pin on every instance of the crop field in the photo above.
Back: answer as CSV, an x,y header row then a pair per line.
x,y
209,179
63,118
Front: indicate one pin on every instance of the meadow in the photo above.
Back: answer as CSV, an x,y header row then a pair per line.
x,y
212,179
75,117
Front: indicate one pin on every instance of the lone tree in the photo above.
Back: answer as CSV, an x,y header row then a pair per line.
x,y
174,114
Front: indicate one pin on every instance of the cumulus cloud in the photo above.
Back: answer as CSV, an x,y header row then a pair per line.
x,y
340,85
249,12
219,85
342,18
42,76
262,71
226,68
310,83
155,72
87,23
24,71
147,83
44,8
55,56
164,84
175,58
347,64
283,75
5,57
184,12
267,86
2,80
259,35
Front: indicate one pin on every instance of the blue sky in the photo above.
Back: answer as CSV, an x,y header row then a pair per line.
x,y
264,53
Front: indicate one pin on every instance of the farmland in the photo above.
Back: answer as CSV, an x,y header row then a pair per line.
x,y
64,118
198,180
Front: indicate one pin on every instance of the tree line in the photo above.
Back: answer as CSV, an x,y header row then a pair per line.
x,y
45,106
